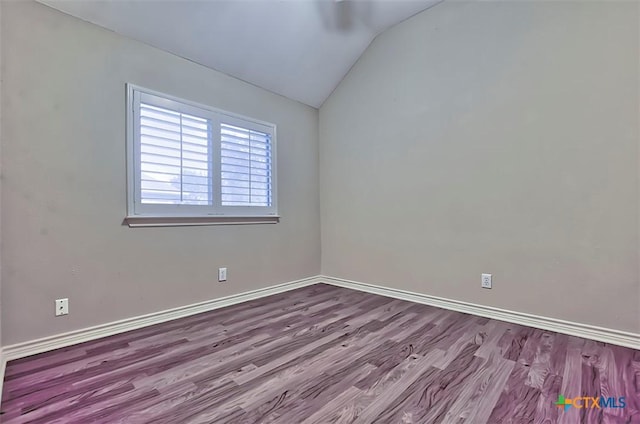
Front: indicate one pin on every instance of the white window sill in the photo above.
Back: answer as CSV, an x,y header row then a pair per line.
x,y
169,221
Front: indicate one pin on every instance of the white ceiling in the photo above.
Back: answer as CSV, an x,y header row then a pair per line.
x,y
300,49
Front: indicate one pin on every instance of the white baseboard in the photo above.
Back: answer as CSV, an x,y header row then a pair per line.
x,y
21,350
586,331
3,367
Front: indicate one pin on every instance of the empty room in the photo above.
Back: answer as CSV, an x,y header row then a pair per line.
x,y
319,211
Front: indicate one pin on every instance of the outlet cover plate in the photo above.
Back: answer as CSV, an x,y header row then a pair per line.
x,y
62,307
486,281
222,274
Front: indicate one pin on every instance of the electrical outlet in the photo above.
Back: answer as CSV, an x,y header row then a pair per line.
x,y
62,307
486,281
222,274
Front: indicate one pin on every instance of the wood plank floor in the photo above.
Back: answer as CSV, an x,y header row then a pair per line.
x,y
324,354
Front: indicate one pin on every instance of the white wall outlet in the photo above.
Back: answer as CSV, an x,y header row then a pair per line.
x,y
62,307
486,281
222,274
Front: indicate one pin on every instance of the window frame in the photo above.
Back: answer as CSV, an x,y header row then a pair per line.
x,y
141,214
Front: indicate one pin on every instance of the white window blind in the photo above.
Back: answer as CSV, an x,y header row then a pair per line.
x,y
175,164
188,160
245,166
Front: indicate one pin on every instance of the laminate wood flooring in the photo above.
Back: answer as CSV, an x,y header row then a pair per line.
x,y
323,354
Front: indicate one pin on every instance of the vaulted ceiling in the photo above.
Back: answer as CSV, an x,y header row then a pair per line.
x,y
300,49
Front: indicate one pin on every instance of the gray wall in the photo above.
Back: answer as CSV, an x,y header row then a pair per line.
x,y
497,137
63,197
475,137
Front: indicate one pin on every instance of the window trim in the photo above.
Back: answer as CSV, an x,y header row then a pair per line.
x,y
178,215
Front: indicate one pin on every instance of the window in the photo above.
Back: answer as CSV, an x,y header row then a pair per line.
x,y
190,163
